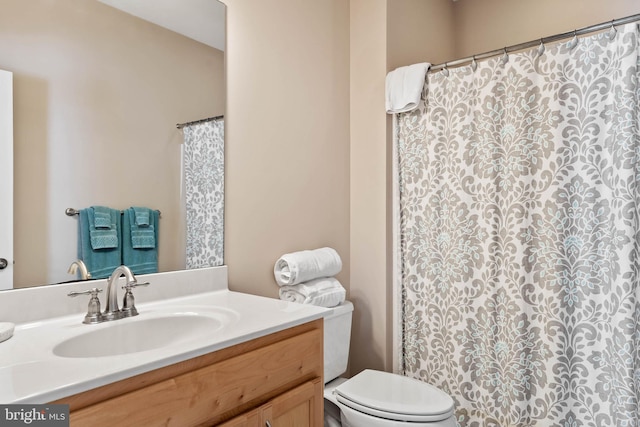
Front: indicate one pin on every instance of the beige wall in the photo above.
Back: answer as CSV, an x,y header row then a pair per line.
x,y
97,94
385,34
368,185
419,31
287,139
484,25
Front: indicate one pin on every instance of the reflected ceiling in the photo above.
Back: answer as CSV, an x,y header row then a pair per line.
x,y
191,18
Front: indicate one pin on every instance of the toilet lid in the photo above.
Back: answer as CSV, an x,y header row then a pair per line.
x,y
394,397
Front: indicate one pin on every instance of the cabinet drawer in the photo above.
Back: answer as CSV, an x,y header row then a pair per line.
x,y
216,392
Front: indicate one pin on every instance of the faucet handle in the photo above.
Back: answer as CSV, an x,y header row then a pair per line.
x,y
93,292
129,302
93,310
132,285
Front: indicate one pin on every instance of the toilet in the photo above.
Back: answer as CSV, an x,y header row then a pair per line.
x,y
374,398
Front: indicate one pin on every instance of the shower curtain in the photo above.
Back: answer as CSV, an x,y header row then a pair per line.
x,y
519,235
203,166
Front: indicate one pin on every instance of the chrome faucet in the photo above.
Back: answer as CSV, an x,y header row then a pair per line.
x,y
79,264
111,310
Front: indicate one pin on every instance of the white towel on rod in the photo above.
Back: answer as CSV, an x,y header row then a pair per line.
x,y
302,266
403,87
324,292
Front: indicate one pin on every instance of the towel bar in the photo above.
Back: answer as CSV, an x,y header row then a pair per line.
x,y
73,212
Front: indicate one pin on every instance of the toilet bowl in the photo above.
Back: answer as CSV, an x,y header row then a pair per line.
x,y
374,398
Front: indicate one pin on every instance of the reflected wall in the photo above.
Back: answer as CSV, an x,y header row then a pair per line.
x,y
97,95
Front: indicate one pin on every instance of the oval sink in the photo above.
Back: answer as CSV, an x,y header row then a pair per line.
x,y
124,337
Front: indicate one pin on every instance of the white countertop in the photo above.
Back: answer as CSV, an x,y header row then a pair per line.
x,y
30,372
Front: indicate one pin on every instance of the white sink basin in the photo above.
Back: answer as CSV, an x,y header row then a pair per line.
x,y
140,334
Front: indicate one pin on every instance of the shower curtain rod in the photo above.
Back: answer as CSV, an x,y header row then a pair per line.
x,y
195,122
533,43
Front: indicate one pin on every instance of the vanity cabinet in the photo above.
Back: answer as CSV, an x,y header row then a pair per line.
x,y
276,378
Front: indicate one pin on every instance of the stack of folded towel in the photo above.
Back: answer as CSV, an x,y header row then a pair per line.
x,y
307,277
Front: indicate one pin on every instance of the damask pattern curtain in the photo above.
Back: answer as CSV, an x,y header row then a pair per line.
x,y
520,236
203,164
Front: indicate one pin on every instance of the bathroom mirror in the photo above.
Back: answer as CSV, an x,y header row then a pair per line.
x,y
98,92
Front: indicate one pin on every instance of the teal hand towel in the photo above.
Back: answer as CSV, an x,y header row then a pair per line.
x,y
142,228
142,216
102,217
100,262
140,244
103,230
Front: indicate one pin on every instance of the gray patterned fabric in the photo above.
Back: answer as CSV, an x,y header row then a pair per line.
x,y
520,236
204,193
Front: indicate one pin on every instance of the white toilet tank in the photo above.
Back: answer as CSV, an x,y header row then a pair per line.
x,y
337,336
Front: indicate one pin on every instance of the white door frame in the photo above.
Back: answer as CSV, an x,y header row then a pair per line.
x,y
6,178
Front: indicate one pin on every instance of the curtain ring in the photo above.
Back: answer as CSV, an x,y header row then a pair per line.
x,y
574,41
612,31
474,64
505,57
445,70
541,48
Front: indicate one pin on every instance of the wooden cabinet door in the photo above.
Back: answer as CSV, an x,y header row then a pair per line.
x,y
299,407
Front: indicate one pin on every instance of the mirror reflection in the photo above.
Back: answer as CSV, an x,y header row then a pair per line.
x,y
97,94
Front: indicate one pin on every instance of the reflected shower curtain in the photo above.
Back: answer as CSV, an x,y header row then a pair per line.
x,y
520,235
203,164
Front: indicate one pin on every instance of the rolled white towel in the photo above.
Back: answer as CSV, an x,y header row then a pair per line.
x,y
324,292
302,266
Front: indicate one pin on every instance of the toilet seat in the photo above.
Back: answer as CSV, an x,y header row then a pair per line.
x,y
394,397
